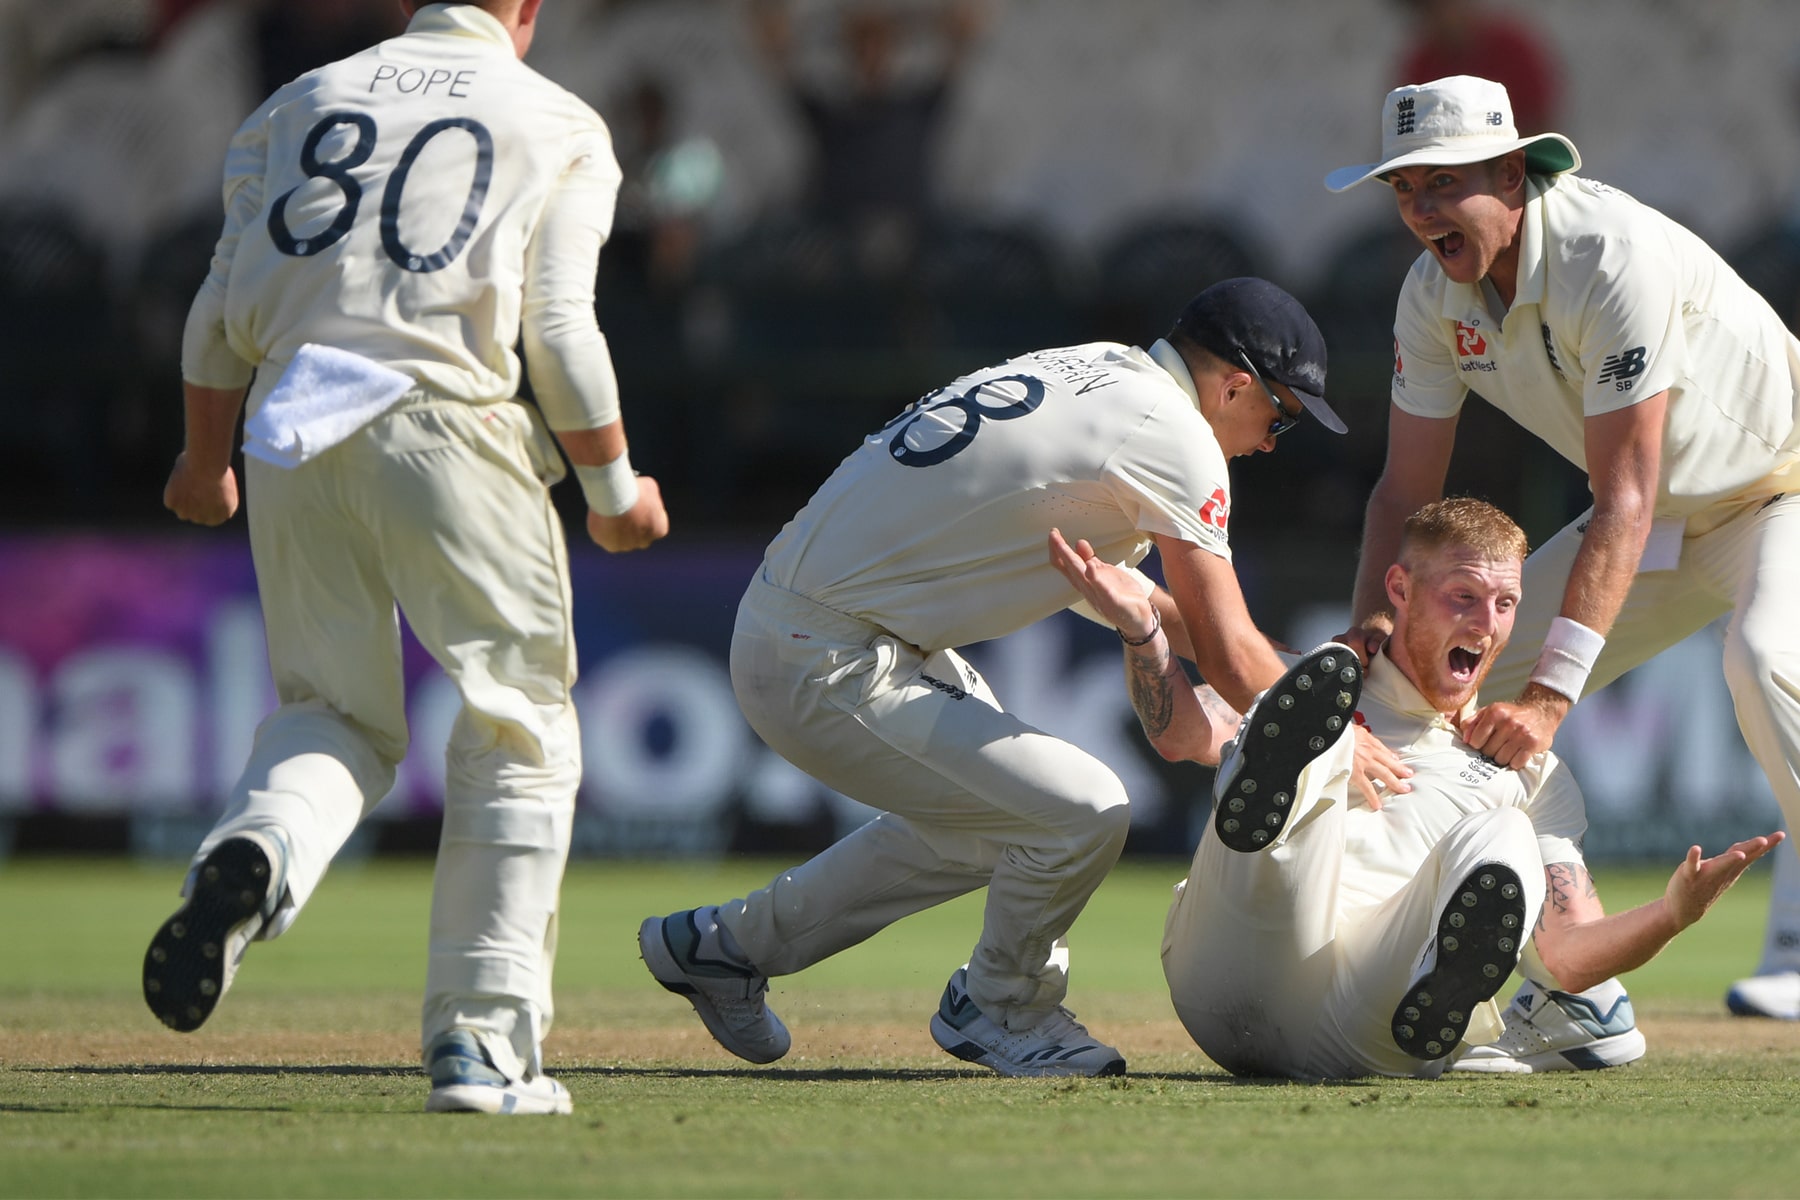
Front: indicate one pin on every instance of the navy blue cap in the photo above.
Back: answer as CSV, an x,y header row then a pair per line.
x,y
1269,327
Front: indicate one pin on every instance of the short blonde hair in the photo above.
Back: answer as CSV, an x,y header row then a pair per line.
x,y
1461,521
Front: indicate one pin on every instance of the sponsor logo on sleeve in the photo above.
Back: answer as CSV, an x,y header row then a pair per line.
x,y
1621,370
1216,512
1472,348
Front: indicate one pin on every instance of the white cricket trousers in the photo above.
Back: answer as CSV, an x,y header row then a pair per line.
x,y
441,507
1271,976
1749,566
971,796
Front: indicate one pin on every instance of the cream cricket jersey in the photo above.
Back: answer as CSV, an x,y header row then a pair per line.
x,y
414,204
935,528
1384,848
1615,303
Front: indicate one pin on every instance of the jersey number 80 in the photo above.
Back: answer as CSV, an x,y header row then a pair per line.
x,y
338,170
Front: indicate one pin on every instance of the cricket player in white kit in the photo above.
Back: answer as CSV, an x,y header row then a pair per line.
x,y
393,221
1635,352
929,537
1370,940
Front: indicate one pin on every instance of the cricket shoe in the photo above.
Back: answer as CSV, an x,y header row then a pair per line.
x,y
1548,1030
1776,995
465,1079
1479,936
1288,726
1056,1045
194,956
726,991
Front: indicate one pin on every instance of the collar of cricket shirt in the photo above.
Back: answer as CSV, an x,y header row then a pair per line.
x,y
1169,359
461,20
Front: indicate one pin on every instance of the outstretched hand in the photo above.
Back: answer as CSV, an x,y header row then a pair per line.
x,y
1114,592
1698,882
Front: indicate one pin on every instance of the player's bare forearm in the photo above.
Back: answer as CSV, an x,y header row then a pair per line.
x,y
1232,654
593,447
1624,451
1174,714
1174,628
209,417
202,487
1581,946
1418,460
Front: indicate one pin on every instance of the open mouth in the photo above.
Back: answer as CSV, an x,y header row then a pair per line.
x,y
1463,663
1447,245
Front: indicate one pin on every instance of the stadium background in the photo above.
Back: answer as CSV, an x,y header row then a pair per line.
x,y
1090,167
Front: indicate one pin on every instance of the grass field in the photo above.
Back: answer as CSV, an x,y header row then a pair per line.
x,y
305,1084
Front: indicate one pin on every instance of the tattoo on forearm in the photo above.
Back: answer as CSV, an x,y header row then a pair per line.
x,y
1564,881
1152,691
1221,714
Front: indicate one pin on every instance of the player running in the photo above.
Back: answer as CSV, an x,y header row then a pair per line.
x,y
393,222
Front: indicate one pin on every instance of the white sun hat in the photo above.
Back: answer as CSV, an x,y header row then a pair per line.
x,y
1448,122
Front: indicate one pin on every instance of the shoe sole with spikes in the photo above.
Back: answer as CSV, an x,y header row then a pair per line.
x,y
1292,723
187,968
1479,936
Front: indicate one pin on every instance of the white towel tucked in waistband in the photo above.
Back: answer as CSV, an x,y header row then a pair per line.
x,y
323,397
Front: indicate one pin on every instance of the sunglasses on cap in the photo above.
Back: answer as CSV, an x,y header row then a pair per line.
x,y
1284,420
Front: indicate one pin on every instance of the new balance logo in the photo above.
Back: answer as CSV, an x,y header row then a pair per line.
x,y
1404,115
1622,370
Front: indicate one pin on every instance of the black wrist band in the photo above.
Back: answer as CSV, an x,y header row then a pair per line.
x,y
1155,628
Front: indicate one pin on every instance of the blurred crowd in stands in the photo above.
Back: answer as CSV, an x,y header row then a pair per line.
x,y
832,206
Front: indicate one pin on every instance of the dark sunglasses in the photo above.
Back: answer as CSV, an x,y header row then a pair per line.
x,y
1284,420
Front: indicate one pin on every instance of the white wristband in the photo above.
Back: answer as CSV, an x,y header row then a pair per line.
x,y
1570,649
611,489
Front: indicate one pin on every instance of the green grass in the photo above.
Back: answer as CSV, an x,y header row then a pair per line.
x,y
303,1084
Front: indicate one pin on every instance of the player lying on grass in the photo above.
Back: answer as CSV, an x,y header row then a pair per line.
x,y
1355,940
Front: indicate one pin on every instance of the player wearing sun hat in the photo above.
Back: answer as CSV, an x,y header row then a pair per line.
x,y
1631,348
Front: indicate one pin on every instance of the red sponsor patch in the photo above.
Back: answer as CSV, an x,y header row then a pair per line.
x,y
1399,367
1469,341
1216,511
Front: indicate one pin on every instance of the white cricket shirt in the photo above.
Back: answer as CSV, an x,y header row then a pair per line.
x,y
1384,848
1615,303
414,204
935,528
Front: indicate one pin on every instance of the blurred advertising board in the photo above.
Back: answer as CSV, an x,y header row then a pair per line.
x,y
132,678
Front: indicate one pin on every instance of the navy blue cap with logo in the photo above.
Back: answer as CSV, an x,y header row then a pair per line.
x,y
1270,328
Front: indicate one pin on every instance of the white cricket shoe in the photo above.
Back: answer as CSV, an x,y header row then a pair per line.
x,y
195,955
724,990
465,1079
1547,1030
1056,1045
1776,995
1297,719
